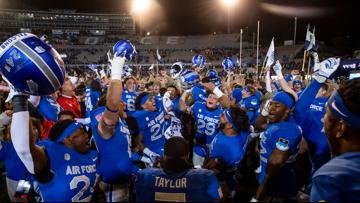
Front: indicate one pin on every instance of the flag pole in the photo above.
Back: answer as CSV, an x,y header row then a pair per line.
x,y
257,49
303,64
308,68
263,65
241,33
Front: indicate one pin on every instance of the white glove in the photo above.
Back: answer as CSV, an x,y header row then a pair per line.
x,y
146,160
265,110
167,103
253,200
152,155
277,68
315,59
12,91
326,68
116,66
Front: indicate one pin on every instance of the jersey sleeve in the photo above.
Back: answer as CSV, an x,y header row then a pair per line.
x,y
286,140
304,102
195,107
214,189
325,188
4,150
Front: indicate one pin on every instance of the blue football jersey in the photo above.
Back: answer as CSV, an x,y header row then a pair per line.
x,y
338,180
115,164
252,105
283,136
308,114
199,93
194,185
129,98
49,107
75,175
152,126
207,121
15,169
229,148
91,99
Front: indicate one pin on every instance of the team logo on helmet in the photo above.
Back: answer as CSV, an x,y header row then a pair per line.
x,y
228,64
31,65
125,48
198,61
189,79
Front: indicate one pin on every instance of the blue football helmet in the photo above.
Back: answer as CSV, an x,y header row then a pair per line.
x,y
124,47
228,64
198,61
176,70
212,74
31,65
189,79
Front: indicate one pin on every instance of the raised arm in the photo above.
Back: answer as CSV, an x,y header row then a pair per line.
x,y
110,118
33,157
283,84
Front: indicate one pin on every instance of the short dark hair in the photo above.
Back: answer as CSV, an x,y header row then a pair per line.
x,y
240,118
95,85
58,128
128,78
67,113
138,100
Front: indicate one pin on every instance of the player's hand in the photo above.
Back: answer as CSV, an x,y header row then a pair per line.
x,y
277,68
265,110
211,164
13,92
326,68
116,65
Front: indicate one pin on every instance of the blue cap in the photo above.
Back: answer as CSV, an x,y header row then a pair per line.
x,y
237,94
284,98
297,82
69,130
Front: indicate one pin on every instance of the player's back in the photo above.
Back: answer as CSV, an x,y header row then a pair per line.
x,y
194,185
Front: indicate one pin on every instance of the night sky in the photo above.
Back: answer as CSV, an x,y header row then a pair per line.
x,y
184,17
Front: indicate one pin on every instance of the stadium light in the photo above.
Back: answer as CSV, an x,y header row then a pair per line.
x,y
140,5
229,3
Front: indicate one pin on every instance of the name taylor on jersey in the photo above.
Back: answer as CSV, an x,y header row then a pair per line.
x,y
170,183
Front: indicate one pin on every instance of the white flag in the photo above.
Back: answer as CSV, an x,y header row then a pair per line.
x,y
310,39
158,55
270,55
151,67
